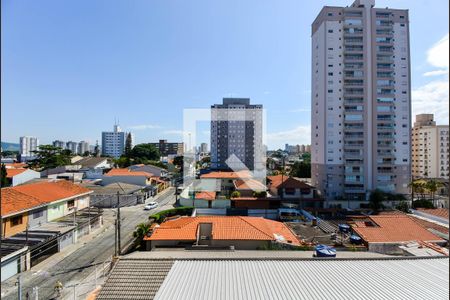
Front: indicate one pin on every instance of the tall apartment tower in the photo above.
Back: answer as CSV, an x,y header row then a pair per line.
x,y
59,144
236,128
83,147
430,148
113,142
360,102
27,145
72,146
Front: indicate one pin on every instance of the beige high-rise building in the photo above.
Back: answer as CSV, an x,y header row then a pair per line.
x,y
430,148
360,102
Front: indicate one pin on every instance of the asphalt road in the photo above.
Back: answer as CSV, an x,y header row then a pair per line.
x,y
77,266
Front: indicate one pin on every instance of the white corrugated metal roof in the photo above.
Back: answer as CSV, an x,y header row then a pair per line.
x,y
307,279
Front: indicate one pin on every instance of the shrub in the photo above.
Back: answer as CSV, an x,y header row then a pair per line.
x,y
422,204
235,194
403,206
162,215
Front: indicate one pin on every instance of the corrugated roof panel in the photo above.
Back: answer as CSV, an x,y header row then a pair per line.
x,y
310,279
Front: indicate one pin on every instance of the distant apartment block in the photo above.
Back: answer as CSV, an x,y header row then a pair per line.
x,y
72,146
60,144
297,149
236,129
82,147
203,147
430,148
166,148
28,144
113,142
361,102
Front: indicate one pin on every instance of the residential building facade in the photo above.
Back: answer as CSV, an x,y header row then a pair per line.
x,y
28,144
166,149
113,142
361,102
203,147
60,144
72,146
236,135
83,147
430,148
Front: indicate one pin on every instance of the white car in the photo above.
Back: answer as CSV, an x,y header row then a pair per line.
x,y
151,205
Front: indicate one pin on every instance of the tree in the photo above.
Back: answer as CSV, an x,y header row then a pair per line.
x,y
86,153
49,156
301,169
376,200
128,141
144,152
306,157
141,230
432,186
178,161
96,150
4,180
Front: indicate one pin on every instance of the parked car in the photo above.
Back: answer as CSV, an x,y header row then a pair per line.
x,y
151,205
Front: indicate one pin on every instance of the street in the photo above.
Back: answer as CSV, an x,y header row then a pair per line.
x,y
78,265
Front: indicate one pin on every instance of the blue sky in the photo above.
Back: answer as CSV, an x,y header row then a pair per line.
x,y
69,68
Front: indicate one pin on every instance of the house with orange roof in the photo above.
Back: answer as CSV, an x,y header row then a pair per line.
x,y
384,233
31,205
126,175
18,176
243,233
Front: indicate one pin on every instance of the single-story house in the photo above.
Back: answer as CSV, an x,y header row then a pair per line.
x,y
243,233
384,233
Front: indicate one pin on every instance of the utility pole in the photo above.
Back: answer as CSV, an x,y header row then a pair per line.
x,y
75,216
115,237
19,287
118,224
36,293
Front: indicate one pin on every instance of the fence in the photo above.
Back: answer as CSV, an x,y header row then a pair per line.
x,y
110,201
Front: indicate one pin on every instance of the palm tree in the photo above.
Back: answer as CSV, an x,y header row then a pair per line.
x,y
141,230
432,186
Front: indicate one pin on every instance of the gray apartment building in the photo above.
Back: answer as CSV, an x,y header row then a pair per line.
x,y
361,102
236,129
165,148
113,142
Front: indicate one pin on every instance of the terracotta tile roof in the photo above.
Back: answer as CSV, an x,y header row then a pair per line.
x,y
249,184
227,175
27,196
205,196
280,181
127,172
10,173
392,229
431,225
439,212
157,179
225,228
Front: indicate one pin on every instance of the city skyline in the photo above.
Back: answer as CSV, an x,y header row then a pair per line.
x,y
101,84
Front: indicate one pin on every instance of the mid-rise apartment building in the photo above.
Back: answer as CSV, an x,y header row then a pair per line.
x,y
28,144
113,142
83,147
236,129
430,148
72,146
360,102
59,144
203,147
165,148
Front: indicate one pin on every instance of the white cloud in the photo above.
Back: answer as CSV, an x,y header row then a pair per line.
x,y
437,55
143,127
435,73
298,135
432,98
